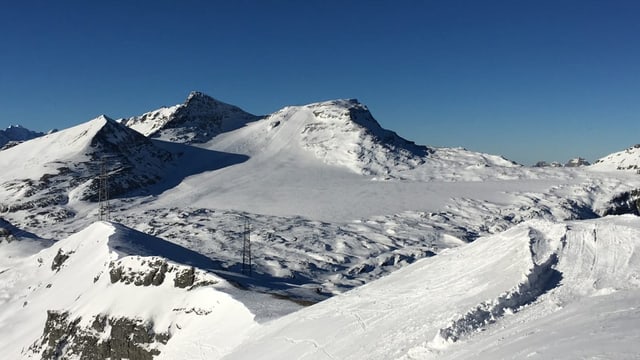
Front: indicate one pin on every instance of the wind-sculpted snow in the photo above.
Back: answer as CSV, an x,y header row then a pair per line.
x,y
432,309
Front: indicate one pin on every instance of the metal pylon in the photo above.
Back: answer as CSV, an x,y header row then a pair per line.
x,y
103,191
246,248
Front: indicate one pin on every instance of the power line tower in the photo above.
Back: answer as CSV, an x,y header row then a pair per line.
x,y
103,191
246,248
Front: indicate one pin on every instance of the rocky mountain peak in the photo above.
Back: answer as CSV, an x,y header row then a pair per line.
x,y
197,120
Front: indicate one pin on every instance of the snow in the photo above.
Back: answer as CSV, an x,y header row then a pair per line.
x,y
402,315
31,159
628,159
422,252
82,286
197,120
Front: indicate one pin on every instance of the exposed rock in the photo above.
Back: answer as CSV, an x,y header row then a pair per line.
x,y
577,162
627,202
65,338
153,275
59,259
185,278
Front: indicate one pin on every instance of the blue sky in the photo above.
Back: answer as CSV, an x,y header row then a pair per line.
x,y
530,80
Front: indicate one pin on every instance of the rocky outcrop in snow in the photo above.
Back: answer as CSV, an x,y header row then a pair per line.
x,y
577,162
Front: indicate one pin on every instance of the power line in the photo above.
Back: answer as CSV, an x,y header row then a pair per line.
x,y
246,248
103,191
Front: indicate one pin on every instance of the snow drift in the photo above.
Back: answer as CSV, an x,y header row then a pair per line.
x,y
424,310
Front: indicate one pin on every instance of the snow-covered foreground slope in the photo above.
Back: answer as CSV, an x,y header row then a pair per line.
x,y
111,292
498,297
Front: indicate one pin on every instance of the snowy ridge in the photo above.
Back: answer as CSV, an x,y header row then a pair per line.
x,y
628,159
197,120
62,168
343,132
540,278
81,289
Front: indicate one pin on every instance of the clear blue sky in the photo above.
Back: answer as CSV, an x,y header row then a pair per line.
x,y
530,80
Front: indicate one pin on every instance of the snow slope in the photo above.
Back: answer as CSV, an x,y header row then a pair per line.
x,y
108,278
431,309
628,159
343,133
62,167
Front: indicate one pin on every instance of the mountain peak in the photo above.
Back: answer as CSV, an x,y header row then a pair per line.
x,y
197,95
103,118
197,120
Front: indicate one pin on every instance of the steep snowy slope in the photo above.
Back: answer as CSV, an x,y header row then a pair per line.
x,y
628,159
432,308
199,119
111,292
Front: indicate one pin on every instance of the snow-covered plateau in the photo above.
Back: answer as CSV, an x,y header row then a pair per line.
x,y
362,245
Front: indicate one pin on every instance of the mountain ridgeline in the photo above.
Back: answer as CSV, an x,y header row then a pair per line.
x,y
198,120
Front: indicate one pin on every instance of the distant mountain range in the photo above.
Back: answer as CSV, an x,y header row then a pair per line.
x,y
16,134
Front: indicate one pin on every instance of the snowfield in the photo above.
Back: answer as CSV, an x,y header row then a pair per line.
x,y
363,244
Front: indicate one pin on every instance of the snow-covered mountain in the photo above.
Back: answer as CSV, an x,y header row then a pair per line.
x,y
337,132
57,169
197,120
16,134
343,133
628,159
332,202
